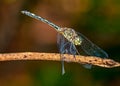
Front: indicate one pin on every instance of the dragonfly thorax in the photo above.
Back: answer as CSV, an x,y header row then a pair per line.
x,y
71,35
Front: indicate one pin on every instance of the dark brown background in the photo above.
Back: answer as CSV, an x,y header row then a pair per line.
x,y
98,20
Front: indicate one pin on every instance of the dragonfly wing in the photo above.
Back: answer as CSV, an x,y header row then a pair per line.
x,y
90,48
65,47
87,66
60,43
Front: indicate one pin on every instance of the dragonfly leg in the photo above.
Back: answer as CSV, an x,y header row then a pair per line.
x,y
72,50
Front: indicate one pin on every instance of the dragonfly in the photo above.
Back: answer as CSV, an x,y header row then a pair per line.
x,y
71,42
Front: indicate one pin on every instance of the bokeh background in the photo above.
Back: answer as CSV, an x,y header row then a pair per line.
x,y
99,20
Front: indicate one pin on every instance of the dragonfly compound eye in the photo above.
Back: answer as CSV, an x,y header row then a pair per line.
x,y
77,40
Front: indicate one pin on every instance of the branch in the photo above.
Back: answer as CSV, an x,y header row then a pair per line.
x,y
107,63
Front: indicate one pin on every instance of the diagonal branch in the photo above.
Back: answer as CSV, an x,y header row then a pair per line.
x,y
107,63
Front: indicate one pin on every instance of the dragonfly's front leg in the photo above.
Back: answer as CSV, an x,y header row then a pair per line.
x,y
72,50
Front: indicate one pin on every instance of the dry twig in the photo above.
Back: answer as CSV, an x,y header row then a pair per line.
x,y
108,63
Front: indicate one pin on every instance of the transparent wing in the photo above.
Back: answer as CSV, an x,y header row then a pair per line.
x,y
90,48
60,43
65,47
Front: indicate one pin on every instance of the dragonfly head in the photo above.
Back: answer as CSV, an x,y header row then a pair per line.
x,y
77,40
71,35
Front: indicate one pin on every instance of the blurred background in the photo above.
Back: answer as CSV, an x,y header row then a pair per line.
x,y
99,20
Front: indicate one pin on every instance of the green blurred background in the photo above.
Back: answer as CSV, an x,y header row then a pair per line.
x,y
99,20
